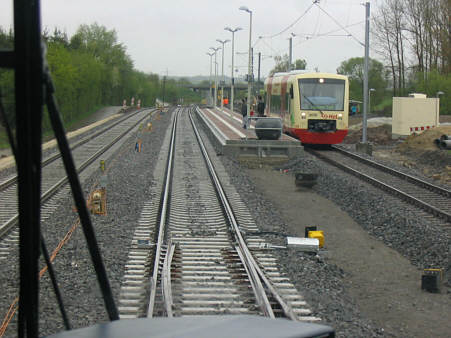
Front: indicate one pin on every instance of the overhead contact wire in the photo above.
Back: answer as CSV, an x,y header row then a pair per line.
x,y
339,24
294,23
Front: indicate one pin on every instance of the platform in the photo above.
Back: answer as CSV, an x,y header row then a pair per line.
x,y
227,129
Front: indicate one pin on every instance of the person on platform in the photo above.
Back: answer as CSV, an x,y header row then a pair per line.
x,y
260,107
244,112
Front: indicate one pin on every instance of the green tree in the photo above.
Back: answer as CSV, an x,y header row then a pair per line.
x,y
6,39
282,63
64,76
377,78
432,83
7,79
102,44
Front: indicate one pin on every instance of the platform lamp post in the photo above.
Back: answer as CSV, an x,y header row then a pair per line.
x,y
437,117
215,49
209,89
233,54
222,42
249,89
369,99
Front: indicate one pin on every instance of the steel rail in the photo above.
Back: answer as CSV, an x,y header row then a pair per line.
x,y
288,311
417,181
246,256
10,181
411,199
166,279
257,287
4,228
162,268
162,222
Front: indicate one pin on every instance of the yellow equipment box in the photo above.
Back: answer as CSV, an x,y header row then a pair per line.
x,y
319,235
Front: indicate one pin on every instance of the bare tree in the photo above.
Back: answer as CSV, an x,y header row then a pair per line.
x,y
414,34
389,36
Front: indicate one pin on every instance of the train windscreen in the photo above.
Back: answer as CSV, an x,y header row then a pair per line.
x,y
322,94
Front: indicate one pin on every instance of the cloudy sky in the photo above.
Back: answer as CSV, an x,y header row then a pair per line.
x,y
174,36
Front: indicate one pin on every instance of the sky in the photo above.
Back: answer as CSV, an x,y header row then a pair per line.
x,y
173,36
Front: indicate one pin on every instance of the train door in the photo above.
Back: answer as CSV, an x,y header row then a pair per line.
x,y
291,106
285,100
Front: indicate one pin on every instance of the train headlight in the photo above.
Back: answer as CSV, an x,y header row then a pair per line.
x,y
303,115
340,116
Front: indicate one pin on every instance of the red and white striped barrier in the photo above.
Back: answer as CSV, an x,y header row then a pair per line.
x,y
415,129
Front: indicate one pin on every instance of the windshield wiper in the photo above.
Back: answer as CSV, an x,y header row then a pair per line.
x,y
314,105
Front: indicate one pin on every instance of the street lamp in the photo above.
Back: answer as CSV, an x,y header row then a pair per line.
x,y
209,90
223,42
233,53
369,99
216,75
244,8
437,113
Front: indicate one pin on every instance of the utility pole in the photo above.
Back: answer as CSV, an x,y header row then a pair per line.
x,y
209,89
164,84
223,42
290,57
215,49
259,62
249,84
252,69
365,72
233,53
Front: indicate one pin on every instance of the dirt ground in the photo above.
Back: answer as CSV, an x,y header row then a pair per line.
x,y
417,152
384,284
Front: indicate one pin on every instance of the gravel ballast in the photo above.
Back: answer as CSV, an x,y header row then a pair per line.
x,y
400,226
321,283
129,179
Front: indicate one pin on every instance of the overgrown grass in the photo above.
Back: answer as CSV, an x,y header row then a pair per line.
x,y
48,134
4,143
384,107
76,123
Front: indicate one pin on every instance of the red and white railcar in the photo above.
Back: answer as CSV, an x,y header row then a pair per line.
x,y
313,107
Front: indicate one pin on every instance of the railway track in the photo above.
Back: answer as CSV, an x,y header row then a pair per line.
x,y
190,243
54,179
435,200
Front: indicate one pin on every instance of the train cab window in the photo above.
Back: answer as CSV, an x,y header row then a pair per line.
x,y
322,94
275,104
